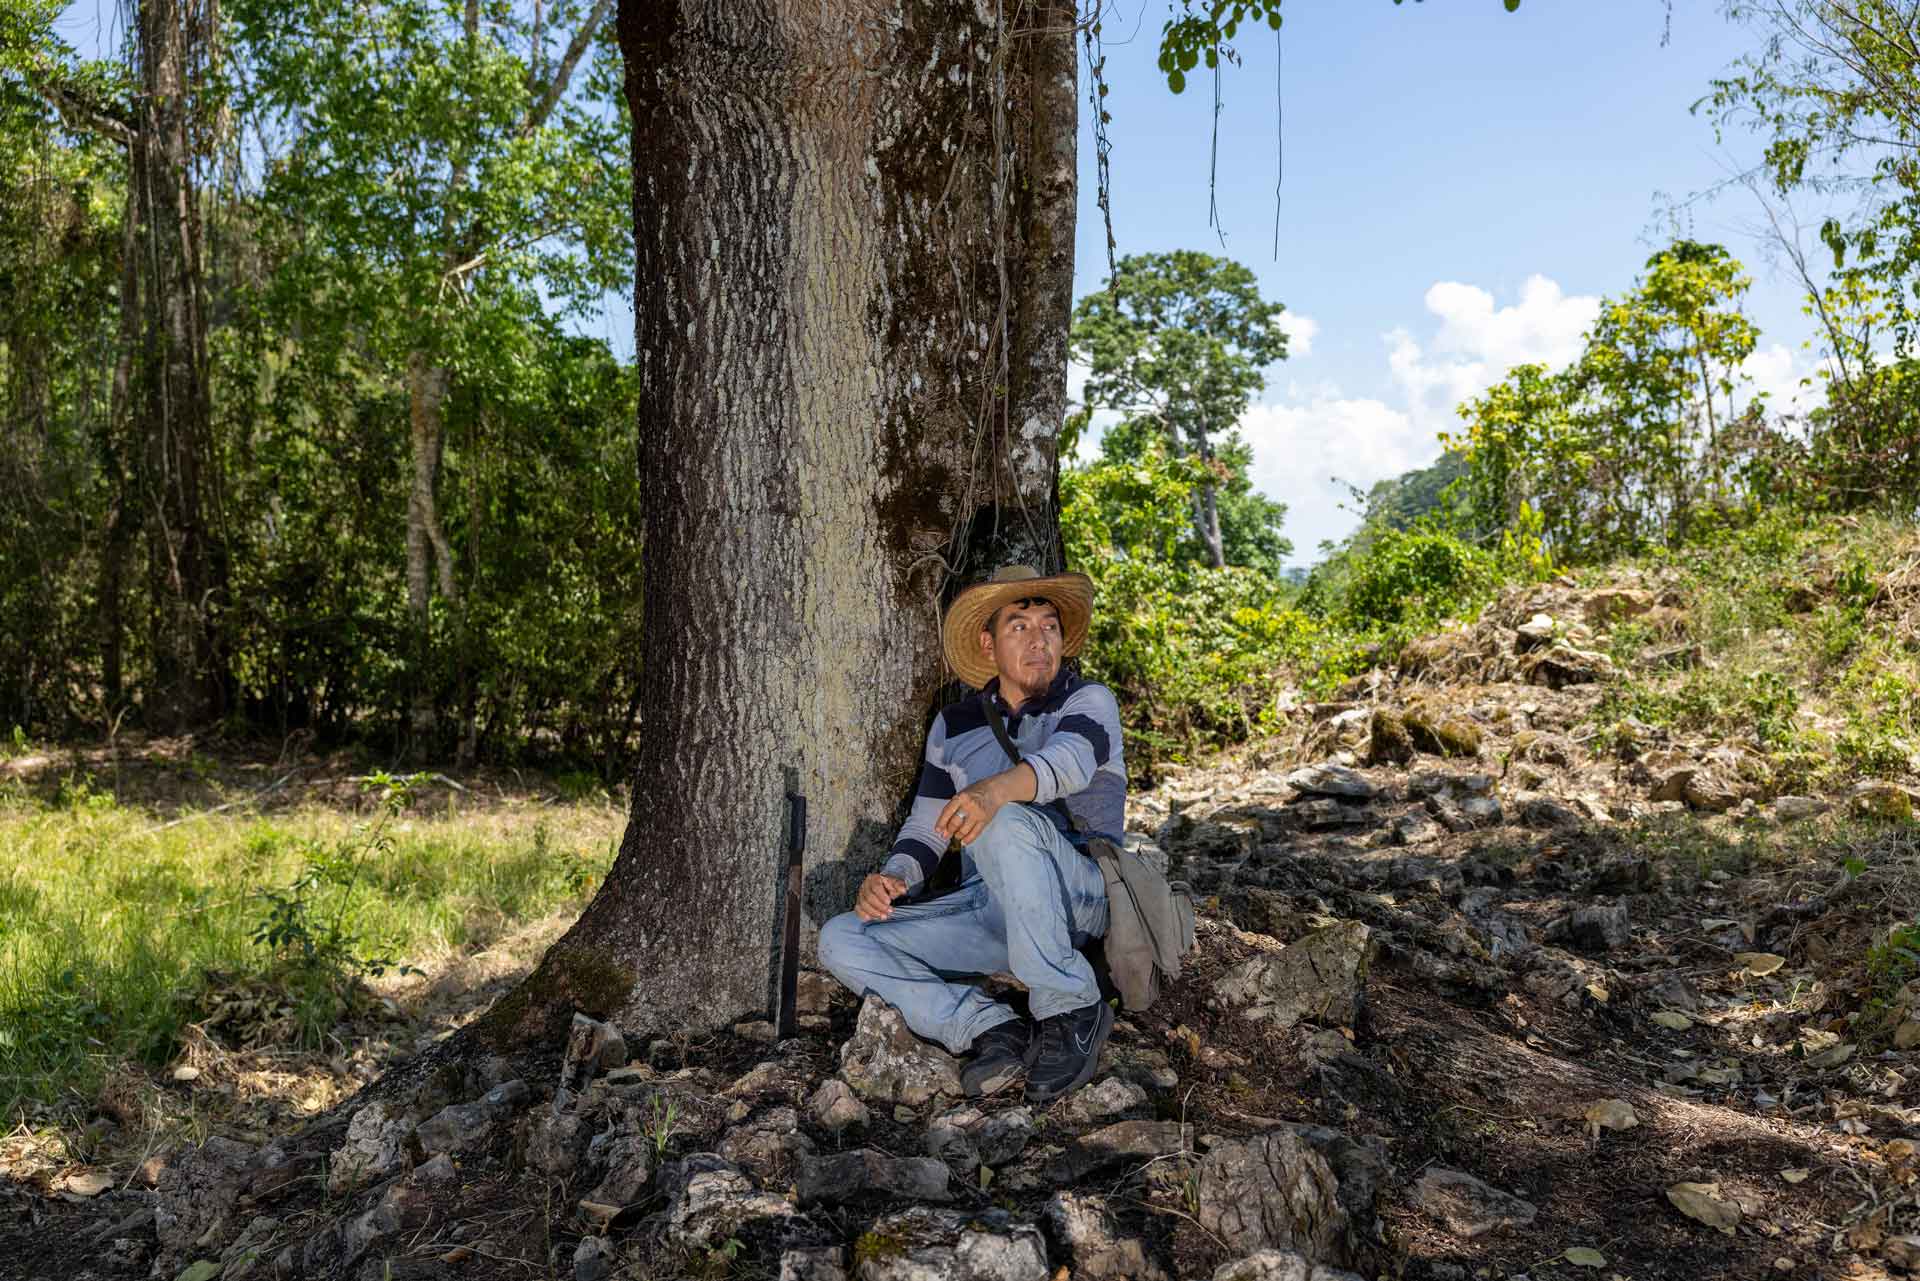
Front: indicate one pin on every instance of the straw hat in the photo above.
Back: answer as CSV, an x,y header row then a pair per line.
x,y
1071,594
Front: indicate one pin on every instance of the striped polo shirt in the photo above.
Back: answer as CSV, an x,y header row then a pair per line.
x,y
1071,737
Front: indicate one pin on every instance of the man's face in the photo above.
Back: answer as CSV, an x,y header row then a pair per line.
x,y
1024,643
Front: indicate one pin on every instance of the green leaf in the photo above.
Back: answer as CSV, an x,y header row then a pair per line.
x,y
1580,1256
1512,5
1176,80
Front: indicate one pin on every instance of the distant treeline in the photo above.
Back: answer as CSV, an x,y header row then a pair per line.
x,y
300,431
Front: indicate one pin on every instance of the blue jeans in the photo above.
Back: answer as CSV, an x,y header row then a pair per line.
x,y
1027,901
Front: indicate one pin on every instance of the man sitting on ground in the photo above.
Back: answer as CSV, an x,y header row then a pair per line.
x,y
1029,895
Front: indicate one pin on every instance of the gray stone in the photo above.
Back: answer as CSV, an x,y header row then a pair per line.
x,y
439,1169
461,1127
1121,1143
1103,1099
1281,1265
832,1179
1562,665
925,1244
1297,1187
1332,780
1544,811
399,1208
1004,1136
813,993
375,1147
710,1200
885,1062
556,1140
629,1160
835,1106
1322,978
766,1149
1084,1225
1467,1206
1599,928
1790,809
1482,811
592,1259
1707,790
1415,829
592,1047
1323,813
814,1263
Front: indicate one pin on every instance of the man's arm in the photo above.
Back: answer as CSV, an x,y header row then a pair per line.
x,y
1085,738
916,849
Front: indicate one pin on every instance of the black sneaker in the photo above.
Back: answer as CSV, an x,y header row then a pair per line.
x,y
1000,1054
1069,1051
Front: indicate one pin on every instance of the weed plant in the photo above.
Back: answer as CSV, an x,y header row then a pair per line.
x,y
118,930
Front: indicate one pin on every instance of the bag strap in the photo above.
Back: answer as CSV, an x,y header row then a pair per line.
x,y
999,726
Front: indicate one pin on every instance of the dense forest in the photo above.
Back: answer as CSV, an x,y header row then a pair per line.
x,y
313,423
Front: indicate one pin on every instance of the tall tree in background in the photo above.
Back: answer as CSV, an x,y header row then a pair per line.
x,y
438,165
854,230
1178,343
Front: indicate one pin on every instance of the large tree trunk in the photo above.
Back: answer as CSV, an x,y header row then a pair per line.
x,y
178,477
853,232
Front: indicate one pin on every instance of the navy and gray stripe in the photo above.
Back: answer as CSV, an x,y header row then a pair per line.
x,y
1071,737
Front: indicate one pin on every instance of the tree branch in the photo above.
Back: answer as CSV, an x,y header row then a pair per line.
x,y
557,87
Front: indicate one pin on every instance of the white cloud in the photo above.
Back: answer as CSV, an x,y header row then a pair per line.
x,y
1477,342
1300,331
1777,371
1300,449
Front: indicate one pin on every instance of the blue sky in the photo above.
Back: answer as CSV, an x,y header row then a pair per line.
x,y
1461,185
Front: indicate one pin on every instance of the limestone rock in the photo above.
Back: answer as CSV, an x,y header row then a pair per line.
x,y
629,1160
1467,1206
1535,633
1103,1099
592,1259
1322,977
1562,665
1084,1225
884,1062
1332,780
1004,1135
1118,1144
1706,790
832,1179
814,1263
376,1146
1482,811
592,1047
464,1127
835,1106
925,1244
1299,1187
1599,928
1281,1265
1545,812
399,1208
710,1200
768,1146
556,1140
1323,813
1789,809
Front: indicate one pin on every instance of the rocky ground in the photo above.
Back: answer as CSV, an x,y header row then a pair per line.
x,y
1487,987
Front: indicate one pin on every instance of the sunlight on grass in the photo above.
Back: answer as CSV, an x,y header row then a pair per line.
x,y
117,929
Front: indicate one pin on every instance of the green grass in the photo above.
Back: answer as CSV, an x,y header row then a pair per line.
x,y
1805,649
118,928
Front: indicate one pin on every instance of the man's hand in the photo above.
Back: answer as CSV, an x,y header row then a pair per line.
x,y
877,892
968,814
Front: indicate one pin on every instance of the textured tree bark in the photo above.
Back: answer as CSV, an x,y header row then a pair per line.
x,y
429,555
853,235
179,479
